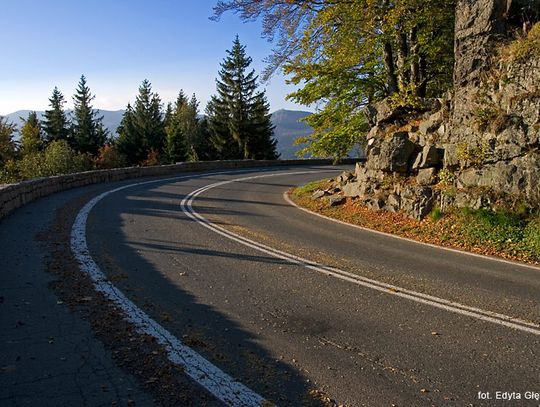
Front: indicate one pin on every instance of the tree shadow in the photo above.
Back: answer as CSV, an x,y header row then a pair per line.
x,y
149,271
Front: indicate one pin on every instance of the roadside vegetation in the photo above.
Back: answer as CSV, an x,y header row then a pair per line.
x,y
505,234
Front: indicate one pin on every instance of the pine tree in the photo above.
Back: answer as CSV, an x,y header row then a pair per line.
x,y
88,133
7,145
31,135
219,136
130,142
143,127
262,145
175,144
206,148
192,128
55,124
236,115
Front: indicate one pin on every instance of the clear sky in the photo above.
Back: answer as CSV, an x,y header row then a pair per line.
x,y
117,44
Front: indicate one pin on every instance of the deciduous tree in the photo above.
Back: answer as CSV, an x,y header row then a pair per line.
x,y
344,54
31,135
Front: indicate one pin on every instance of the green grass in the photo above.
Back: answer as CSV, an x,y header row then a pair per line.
x,y
507,231
436,214
309,188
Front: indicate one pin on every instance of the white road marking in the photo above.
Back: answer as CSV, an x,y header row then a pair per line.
x,y
477,313
448,249
218,383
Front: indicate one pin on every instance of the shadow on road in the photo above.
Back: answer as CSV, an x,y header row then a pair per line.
x,y
159,291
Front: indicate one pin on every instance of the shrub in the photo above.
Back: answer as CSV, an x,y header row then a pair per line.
x,y
436,214
528,46
9,173
110,157
152,159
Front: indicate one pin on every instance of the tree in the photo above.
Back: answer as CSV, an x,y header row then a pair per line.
x,y
88,133
236,115
184,134
262,144
347,53
7,145
130,142
206,148
55,123
176,142
143,127
31,135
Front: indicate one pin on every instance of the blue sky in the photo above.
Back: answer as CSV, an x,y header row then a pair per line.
x,y
117,44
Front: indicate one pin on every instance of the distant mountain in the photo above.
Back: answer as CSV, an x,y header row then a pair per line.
x,y
288,126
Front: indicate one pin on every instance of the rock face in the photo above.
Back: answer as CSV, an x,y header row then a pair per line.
x,y
478,146
494,130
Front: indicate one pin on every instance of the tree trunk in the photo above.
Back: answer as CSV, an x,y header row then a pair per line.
x,y
403,53
415,58
391,79
421,89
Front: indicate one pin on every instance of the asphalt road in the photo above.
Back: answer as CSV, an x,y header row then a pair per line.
x,y
294,333
284,330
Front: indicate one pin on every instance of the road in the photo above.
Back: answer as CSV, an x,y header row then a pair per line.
x,y
299,308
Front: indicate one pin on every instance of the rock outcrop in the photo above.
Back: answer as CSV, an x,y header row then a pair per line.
x,y
479,145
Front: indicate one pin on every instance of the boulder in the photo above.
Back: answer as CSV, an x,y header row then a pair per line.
x,y
345,176
429,157
354,189
318,194
429,126
374,204
393,203
382,112
427,176
336,200
417,201
392,154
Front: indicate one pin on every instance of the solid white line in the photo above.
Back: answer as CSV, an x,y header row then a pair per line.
x,y
218,383
449,249
483,315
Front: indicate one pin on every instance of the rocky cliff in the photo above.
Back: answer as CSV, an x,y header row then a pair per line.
x,y
478,146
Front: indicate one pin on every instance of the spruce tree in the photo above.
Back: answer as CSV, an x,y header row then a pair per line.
x,y
88,133
219,136
262,144
143,127
31,135
175,147
206,149
55,124
185,115
130,142
237,115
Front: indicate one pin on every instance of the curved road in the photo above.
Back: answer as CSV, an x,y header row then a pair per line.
x,y
299,308
282,329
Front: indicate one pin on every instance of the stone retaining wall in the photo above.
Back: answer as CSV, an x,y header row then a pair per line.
x,y
13,196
